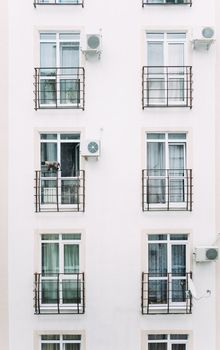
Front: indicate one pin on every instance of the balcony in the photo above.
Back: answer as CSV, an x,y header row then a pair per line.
x,y
166,293
58,2
166,86
167,190
54,193
59,293
59,88
166,2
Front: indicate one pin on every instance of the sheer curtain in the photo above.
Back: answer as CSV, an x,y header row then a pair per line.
x,y
156,82
176,75
50,268
71,258
176,166
156,166
71,289
178,255
157,268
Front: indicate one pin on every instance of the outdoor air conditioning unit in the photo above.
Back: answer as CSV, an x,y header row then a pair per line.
x,y
90,148
93,45
204,254
203,38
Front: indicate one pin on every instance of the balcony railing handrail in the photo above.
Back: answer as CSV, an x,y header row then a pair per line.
x,y
59,306
55,2
60,96
148,2
149,306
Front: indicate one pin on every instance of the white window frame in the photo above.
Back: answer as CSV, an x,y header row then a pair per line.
x,y
167,142
58,142
173,305
61,242
169,341
57,41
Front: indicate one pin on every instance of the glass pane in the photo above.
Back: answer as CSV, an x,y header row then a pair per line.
x,y
177,136
157,346
49,237
157,259
50,337
178,290
155,136
175,54
155,54
49,291
69,160
48,36
69,91
72,347
70,136
179,336
155,88
48,152
48,56
176,157
71,258
157,336
176,35
155,157
178,346
155,35
176,89
178,259
48,91
178,237
71,236
50,258
48,136
70,193
49,194
157,237
71,291
71,337
157,292
69,36
69,55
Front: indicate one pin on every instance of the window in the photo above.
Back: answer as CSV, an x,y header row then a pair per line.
x,y
167,79
59,81
166,2
60,285
58,2
59,183
61,342
167,182
167,341
166,282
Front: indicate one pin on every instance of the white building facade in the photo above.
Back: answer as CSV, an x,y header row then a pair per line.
x,y
101,241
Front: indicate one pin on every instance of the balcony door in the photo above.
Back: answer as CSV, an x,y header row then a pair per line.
x,y
60,267
166,163
167,270
60,186
59,75
166,74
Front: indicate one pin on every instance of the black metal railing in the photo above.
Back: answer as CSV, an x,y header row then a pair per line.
x,y
58,2
166,86
167,189
59,293
166,2
54,193
62,87
166,293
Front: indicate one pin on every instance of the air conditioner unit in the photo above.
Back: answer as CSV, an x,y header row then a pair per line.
x,y
203,254
203,37
93,45
90,148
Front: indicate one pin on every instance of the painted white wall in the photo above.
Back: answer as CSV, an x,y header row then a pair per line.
x,y
113,221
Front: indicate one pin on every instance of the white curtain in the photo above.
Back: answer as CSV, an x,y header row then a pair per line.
x,y
176,75
156,166
156,82
176,166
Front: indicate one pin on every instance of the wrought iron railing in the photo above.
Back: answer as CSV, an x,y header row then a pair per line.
x,y
167,189
166,2
54,193
166,86
166,293
58,2
62,87
59,293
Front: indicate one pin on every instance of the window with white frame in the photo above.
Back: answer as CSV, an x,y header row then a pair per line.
x,y
60,268
167,341
168,269
61,342
60,168
167,78
166,167
59,75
